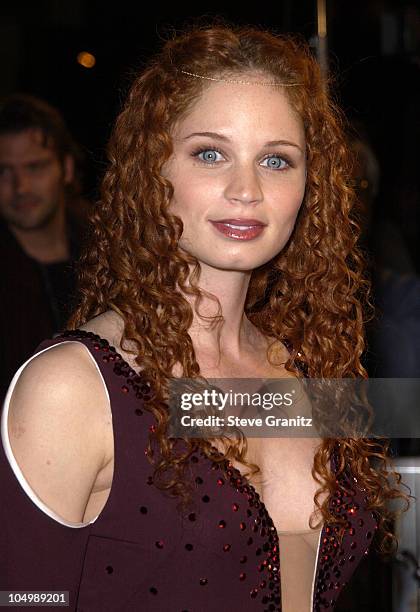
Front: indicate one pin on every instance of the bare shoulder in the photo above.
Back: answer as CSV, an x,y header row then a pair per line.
x,y
109,325
57,421
63,369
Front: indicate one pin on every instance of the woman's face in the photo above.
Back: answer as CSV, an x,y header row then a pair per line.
x,y
238,170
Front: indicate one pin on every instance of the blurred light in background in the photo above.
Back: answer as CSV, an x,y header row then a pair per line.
x,y
322,18
321,40
86,59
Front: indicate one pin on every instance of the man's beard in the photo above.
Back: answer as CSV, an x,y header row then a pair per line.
x,y
37,223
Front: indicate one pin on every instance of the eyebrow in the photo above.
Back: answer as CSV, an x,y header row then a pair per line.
x,y
271,143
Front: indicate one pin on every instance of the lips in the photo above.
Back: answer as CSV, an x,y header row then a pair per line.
x,y
26,202
26,205
241,222
239,229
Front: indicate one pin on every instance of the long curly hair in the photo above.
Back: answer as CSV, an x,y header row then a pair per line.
x,y
313,294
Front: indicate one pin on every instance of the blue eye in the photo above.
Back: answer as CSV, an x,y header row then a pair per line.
x,y
275,162
209,155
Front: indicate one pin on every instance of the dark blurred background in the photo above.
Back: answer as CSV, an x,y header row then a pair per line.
x,y
81,56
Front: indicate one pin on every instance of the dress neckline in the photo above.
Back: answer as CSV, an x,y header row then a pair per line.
x,y
215,451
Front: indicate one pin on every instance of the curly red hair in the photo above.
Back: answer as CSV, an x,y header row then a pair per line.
x,y
313,293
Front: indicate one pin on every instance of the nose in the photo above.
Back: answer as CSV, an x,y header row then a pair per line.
x,y
244,185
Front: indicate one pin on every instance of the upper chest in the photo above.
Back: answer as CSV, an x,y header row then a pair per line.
x,y
284,482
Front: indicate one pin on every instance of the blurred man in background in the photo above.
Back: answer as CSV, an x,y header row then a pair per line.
x,y
41,224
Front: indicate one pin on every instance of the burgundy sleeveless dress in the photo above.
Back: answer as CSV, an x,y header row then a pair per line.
x,y
140,554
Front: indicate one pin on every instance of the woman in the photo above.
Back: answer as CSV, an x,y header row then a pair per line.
x,y
224,238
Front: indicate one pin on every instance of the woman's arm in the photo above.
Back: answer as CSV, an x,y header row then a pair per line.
x,y
58,415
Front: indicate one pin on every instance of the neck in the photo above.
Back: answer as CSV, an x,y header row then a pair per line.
x,y
233,338
46,244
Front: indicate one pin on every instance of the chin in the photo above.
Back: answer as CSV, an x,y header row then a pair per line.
x,y
234,264
238,261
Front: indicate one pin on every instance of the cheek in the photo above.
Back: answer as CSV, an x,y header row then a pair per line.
x,y
5,190
189,199
298,200
49,184
290,198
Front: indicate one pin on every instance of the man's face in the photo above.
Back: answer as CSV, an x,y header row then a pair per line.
x,y
32,180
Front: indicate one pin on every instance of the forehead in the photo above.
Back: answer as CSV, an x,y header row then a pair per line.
x,y
243,108
26,145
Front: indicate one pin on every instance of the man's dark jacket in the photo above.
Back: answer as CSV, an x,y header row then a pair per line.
x,y
35,299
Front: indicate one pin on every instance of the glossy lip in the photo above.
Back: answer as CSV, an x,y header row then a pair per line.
x,y
241,232
242,222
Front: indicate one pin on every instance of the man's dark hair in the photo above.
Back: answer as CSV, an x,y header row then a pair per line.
x,y
21,112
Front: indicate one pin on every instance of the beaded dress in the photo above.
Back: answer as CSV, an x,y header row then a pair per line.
x,y
139,553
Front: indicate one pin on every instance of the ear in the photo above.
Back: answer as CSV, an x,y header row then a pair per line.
x,y
68,169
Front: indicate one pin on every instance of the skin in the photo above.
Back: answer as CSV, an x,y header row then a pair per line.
x,y
32,194
247,180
